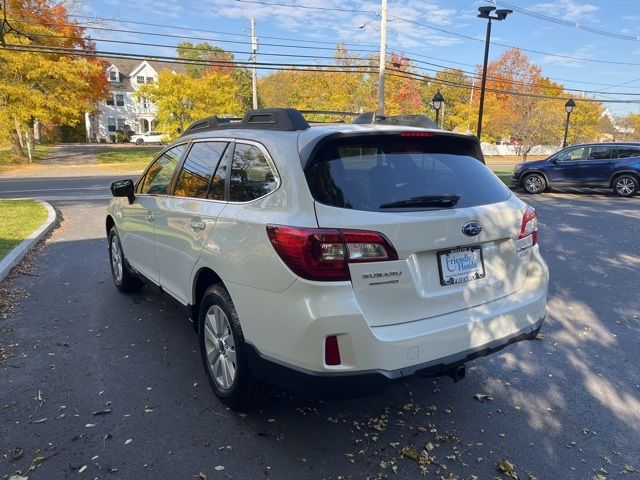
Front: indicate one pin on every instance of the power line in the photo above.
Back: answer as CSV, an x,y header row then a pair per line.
x,y
576,25
361,59
413,54
285,67
442,30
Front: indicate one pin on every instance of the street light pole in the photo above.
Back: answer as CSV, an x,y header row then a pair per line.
x,y
484,78
568,107
383,56
485,12
254,71
437,102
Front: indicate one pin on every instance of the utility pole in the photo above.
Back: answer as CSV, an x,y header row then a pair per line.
x,y
383,56
254,72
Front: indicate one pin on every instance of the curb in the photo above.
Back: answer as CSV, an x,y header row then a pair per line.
x,y
15,255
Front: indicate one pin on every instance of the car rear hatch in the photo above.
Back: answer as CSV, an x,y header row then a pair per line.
x,y
454,225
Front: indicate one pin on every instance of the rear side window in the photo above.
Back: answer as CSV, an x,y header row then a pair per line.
x,y
599,153
251,175
390,173
628,152
159,175
197,169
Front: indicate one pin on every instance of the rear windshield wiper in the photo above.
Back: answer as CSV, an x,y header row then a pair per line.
x,y
446,200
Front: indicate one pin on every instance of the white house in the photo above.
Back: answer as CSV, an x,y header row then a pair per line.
x,y
122,111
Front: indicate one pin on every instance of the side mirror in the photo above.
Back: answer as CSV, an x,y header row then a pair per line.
x,y
123,188
554,160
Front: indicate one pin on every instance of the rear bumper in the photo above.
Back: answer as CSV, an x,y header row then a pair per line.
x,y
312,384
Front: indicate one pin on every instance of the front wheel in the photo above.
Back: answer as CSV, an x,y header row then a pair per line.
x,y
534,183
139,141
625,186
125,281
224,355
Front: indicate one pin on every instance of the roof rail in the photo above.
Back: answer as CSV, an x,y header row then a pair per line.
x,y
421,121
284,119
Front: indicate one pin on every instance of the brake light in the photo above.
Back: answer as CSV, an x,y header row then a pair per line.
x,y
529,225
416,134
324,254
331,351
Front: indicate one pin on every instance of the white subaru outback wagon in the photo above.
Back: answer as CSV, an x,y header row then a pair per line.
x,y
330,259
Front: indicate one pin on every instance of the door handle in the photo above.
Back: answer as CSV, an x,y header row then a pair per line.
x,y
197,225
150,217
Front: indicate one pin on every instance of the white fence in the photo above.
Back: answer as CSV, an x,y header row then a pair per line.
x,y
493,149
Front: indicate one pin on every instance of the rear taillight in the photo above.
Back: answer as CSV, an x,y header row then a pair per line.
x,y
529,225
325,253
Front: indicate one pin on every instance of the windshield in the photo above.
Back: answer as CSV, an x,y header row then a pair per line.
x,y
390,173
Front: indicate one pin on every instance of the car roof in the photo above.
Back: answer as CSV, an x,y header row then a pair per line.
x,y
605,144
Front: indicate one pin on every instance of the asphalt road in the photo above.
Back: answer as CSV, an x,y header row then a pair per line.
x,y
104,385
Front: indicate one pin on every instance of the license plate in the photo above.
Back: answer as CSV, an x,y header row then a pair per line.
x,y
460,265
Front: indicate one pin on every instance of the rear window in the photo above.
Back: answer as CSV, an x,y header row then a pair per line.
x,y
391,173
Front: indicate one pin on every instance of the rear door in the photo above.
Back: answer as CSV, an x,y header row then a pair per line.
x,y
186,219
137,229
598,166
422,194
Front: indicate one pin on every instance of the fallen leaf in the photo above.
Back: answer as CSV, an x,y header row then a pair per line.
x,y
539,336
629,468
82,469
103,412
18,477
16,453
127,442
481,397
219,468
508,468
90,425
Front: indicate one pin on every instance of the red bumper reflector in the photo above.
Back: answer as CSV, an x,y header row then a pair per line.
x,y
331,351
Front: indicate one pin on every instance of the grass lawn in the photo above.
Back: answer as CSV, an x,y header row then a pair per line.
x,y
503,174
127,157
18,218
8,159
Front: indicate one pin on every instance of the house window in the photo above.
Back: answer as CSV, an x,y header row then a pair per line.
x,y
119,99
113,76
120,123
149,79
110,101
145,103
111,124
140,79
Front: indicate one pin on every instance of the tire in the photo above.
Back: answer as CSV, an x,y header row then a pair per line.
x,y
124,280
625,185
139,141
220,337
534,183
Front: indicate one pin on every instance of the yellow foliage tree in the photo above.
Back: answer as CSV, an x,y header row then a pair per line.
x,y
182,99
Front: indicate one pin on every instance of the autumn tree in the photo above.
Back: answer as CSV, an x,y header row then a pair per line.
x,y
49,88
181,99
456,88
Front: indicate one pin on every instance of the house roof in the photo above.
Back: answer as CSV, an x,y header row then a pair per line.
x,y
126,66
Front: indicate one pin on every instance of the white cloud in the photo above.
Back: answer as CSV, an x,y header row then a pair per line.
x,y
568,10
586,52
342,26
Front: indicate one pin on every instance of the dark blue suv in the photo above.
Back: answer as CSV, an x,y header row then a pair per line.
x,y
608,165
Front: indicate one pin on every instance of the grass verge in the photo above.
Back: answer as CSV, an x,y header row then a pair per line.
x,y
503,174
9,159
18,219
131,158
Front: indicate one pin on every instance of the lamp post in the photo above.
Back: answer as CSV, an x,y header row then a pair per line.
x,y
568,107
437,102
485,12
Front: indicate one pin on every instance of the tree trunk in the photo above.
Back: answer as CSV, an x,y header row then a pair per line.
x,y
16,144
19,133
525,152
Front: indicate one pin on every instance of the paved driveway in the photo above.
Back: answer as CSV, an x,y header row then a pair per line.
x,y
104,385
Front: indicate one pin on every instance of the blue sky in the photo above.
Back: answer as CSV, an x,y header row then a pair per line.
x,y
311,26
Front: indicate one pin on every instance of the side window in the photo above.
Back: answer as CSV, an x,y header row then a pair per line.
x,y
599,153
158,176
628,152
197,170
216,191
572,155
251,176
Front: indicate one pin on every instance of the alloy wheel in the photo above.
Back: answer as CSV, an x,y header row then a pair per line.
x,y
220,347
533,184
625,186
116,259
